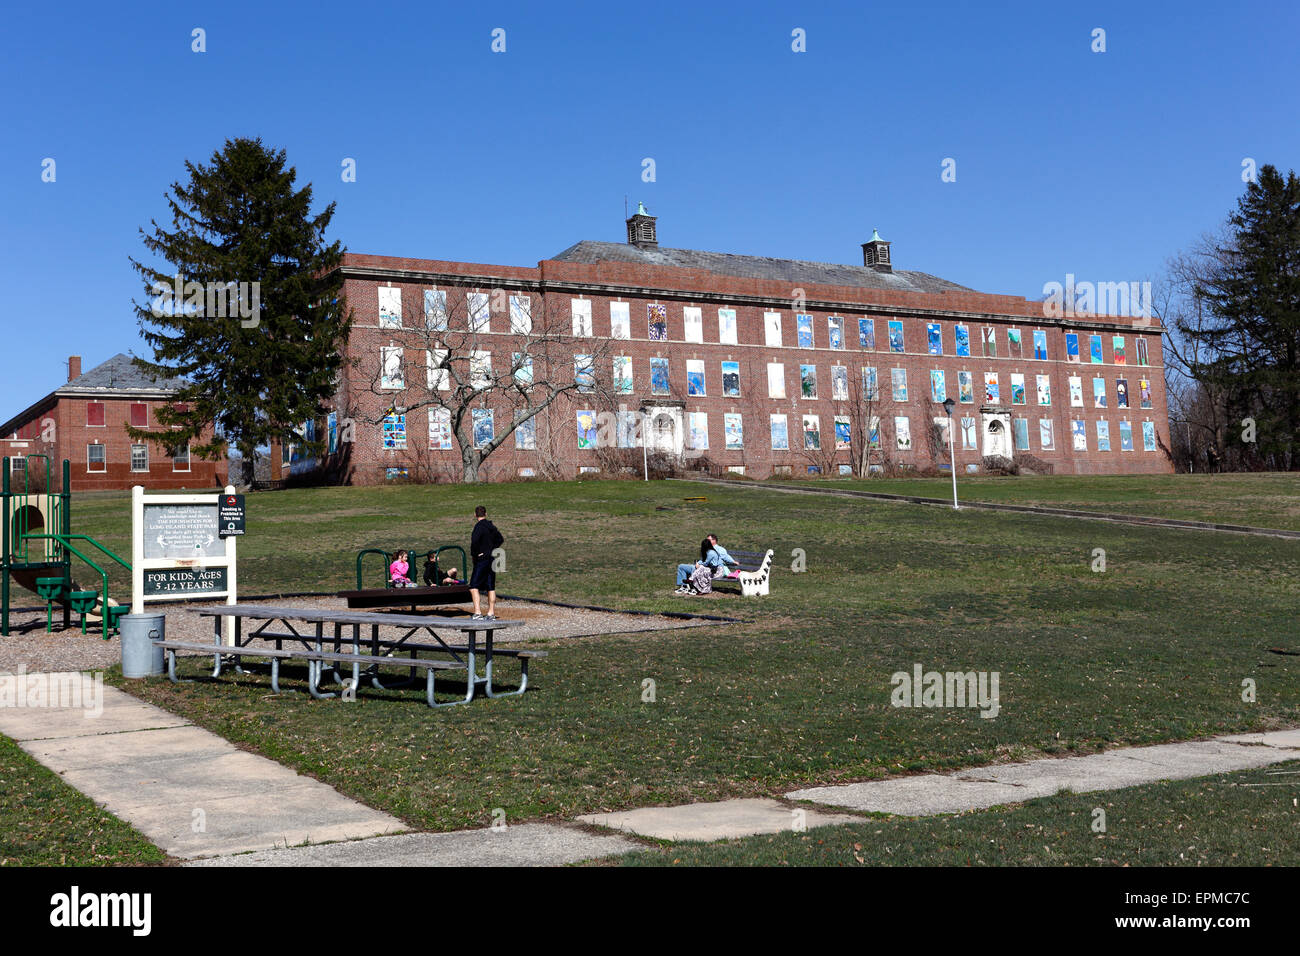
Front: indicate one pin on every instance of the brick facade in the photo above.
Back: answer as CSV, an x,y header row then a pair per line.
x,y
638,285
65,424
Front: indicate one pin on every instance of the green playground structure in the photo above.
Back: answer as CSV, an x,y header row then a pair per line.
x,y
38,550
414,572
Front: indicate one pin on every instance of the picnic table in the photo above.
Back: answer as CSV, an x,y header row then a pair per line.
x,y
309,630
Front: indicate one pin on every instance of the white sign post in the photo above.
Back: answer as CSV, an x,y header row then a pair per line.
x,y
177,552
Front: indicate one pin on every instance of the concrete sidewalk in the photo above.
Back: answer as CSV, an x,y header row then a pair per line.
x,y
983,787
187,790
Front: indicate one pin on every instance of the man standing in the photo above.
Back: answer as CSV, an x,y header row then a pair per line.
x,y
485,539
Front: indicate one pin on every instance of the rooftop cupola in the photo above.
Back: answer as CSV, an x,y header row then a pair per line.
x,y
875,253
641,229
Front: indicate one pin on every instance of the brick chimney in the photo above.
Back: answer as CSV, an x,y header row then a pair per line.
x,y
74,367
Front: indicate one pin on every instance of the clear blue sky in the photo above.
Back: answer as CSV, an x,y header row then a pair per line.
x,y
1099,164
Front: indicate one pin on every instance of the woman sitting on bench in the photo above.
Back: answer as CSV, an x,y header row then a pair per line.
x,y
714,557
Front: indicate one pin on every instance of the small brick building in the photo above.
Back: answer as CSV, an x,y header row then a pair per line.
x,y
84,421
765,366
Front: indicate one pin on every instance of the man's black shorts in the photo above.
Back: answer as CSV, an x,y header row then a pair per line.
x,y
483,578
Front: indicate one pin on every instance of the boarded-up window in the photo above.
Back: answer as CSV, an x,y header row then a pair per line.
x,y
139,415
95,414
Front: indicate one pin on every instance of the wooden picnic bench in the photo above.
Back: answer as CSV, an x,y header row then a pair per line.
x,y
382,649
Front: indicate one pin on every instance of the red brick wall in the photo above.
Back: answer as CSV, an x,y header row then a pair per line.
x,y
74,435
368,459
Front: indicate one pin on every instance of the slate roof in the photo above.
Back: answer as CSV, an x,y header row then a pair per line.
x,y
120,374
796,271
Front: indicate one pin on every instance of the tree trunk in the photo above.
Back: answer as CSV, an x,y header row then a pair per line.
x,y
470,461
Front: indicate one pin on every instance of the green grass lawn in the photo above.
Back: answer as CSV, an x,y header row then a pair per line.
x,y
45,822
1248,818
1262,501
1155,648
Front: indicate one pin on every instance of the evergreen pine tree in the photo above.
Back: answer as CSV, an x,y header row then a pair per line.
x,y
1251,289
258,326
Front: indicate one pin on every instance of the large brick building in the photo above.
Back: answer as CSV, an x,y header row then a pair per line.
x,y
84,421
767,366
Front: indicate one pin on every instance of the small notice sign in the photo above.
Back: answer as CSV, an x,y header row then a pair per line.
x,y
230,515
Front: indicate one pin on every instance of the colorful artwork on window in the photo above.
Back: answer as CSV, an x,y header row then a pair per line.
x,y
1142,352
580,309
623,374
731,379
659,377
1144,393
733,429
1098,393
867,333
526,435
835,331
1015,347
966,387
968,434
440,429
780,433
842,438
989,336
1079,434
390,307
808,381
870,385
1076,391
657,322
1072,346
839,383
391,374
896,336
394,431
902,432
1125,436
1117,346
521,315
934,338
1045,437
523,366
695,377
586,428
812,432
584,373
938,388
1040,344
805,323
991,394
480,311
697,433
727,326
481,419
898,379
1017,389
693,323
1044,390
1094,349
1103,435
435,310
1121,393
1148,436
1020,431
772,329
620,320
962,335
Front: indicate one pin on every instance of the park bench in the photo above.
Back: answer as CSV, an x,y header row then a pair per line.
x,y
747,561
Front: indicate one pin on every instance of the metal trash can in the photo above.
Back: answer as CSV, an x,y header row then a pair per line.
x,y
139,656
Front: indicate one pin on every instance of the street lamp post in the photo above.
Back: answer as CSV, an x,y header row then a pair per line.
x,y
948,404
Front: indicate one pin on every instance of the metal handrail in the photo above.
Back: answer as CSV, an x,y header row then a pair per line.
x,y
103,600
